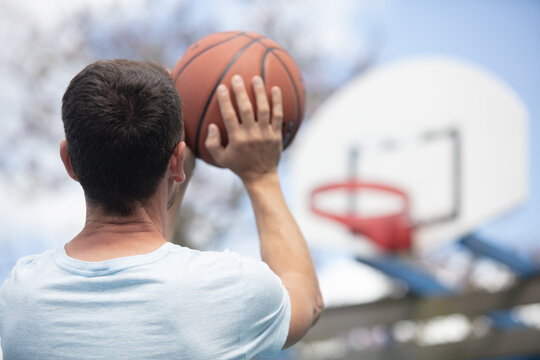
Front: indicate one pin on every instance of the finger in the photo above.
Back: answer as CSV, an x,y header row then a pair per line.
x,y
277,109
213,143
242,100
261,99
230,120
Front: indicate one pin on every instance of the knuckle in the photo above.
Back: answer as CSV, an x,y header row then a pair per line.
x,y
273,138
241,142
245,109
229,114
236,138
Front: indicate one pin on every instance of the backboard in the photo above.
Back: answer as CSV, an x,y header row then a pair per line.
x,y
447,133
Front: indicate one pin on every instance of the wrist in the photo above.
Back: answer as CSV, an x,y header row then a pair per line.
x,y
262,181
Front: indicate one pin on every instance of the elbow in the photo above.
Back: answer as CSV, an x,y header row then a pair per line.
x,y
306,309
317,308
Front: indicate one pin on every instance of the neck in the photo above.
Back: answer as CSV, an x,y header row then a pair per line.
x,y
106,237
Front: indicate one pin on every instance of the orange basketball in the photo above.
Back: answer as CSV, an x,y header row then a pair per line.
x,y
213,60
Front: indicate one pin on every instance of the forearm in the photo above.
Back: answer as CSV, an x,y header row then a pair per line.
x,y
283,246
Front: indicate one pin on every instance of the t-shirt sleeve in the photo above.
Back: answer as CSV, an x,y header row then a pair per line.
x,y
266,310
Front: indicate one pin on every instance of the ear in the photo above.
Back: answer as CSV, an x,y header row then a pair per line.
x,y
176,163
66,160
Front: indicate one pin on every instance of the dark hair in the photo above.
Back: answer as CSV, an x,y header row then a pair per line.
x,y
122,121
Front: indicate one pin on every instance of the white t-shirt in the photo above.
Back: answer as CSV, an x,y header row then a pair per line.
x,y
173,303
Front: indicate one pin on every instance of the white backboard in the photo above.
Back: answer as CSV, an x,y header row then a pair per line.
x,y
450,134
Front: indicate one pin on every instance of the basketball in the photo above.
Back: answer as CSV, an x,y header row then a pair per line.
x,y
212,61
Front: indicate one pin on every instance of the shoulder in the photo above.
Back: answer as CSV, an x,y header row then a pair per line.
x,y
259,281
26,273
240,293
253,274
216,263
251,279
29,265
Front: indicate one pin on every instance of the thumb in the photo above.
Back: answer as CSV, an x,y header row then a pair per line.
x,y
213,143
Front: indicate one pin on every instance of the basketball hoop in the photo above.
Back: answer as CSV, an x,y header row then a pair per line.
x,y
391,232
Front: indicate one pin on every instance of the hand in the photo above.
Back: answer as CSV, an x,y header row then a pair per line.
x,y
255,144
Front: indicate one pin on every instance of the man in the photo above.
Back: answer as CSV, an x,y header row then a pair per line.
x,y
119,290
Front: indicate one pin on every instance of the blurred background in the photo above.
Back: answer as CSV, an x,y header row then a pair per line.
x,y
47,43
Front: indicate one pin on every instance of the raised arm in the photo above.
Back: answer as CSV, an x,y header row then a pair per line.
x,y
253,153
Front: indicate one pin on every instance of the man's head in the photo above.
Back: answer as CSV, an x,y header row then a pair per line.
x,y
122,121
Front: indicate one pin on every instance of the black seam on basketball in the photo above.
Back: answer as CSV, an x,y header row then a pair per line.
x,y
263,60
296,97
291,125
209,100
203,51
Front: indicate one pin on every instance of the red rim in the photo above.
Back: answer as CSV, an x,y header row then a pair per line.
x,y
391,232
